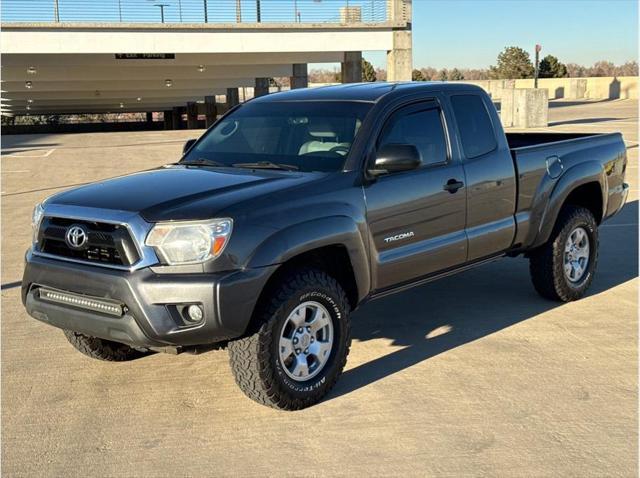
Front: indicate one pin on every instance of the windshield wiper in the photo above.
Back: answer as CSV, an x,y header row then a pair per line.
x,y
267,165
200,161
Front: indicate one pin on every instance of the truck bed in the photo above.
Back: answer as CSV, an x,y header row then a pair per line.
x,y
525,140
541,159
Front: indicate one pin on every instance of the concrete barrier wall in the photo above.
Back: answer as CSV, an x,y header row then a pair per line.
x,y
493,87
597,88
594,88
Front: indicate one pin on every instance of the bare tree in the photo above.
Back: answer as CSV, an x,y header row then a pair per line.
x,y
475,74
576,71
381,74
602,68
429,73
630,68
324,76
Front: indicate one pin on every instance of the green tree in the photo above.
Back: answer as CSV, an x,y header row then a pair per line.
x,y
416,75
550,67
456,75
513,63
443,75
368,72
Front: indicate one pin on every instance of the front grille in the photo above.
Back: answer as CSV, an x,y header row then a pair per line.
x,y
106,243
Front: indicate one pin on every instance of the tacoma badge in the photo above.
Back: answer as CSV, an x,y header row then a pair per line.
x,y
398,237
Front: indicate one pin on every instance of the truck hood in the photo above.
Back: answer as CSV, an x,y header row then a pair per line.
x,y
181,192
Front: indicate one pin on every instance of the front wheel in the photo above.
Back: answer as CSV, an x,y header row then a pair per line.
x,y
563,268
299,346
102,349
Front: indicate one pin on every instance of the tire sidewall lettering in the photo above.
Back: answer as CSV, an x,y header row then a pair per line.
x,y
337,315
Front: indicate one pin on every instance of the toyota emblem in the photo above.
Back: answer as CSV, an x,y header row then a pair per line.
x,y
76,237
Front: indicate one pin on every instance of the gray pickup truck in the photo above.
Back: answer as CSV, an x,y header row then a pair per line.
x,y
297,207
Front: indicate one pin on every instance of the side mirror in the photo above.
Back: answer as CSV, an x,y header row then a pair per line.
x,y
394,158
187,145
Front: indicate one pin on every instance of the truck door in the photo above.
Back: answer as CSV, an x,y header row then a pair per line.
x,y
490,176
417,218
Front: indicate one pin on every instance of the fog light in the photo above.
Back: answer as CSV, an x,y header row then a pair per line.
x,y
195,313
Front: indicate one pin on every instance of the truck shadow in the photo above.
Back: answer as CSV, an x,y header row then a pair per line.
x,y
587,121
432,319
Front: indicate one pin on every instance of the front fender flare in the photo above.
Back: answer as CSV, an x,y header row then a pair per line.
x,y
306,236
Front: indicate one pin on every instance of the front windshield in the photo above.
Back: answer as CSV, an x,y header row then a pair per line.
x,y
305,136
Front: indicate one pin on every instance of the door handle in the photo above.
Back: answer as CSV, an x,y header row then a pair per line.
x,y
453,185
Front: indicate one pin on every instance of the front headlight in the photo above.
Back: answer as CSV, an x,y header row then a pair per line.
x,y
189,242
36,219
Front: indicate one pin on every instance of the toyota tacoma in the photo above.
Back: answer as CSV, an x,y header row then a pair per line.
x,y
295,208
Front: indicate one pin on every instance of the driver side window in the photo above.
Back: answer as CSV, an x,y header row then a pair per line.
x,y
421,127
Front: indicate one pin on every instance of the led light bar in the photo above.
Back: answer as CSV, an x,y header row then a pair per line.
x,y
81,301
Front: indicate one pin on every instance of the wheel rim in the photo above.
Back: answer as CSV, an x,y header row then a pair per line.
x,y
306,340
576,254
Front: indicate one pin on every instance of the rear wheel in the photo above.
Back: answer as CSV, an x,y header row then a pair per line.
x,y
299,346
102,349
563,268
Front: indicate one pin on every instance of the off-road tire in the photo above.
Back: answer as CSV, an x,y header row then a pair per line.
x,y
546,262
254,359
102,349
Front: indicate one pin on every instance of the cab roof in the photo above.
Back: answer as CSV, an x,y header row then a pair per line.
x,y
367,92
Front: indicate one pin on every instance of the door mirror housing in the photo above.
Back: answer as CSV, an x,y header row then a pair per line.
x,y
395,158
188,144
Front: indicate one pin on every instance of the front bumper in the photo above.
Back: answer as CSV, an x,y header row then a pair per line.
x,y
148,298
625,195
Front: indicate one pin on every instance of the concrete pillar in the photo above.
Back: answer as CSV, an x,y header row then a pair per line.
x,y
577,89
300,78
233,97
168,119
176,115
524,108
192,115
352,67
210,110
149,117
399,58
262,87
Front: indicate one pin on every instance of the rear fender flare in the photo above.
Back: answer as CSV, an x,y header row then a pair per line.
x,y
574,177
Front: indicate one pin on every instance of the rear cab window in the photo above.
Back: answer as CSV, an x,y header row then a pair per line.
x,y
474,125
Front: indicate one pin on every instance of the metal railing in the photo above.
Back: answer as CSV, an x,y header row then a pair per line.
x,y
195,11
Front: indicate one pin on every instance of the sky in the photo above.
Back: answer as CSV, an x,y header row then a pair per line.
x,y
471,33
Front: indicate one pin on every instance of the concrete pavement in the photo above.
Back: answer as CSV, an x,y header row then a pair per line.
x,y
474,375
